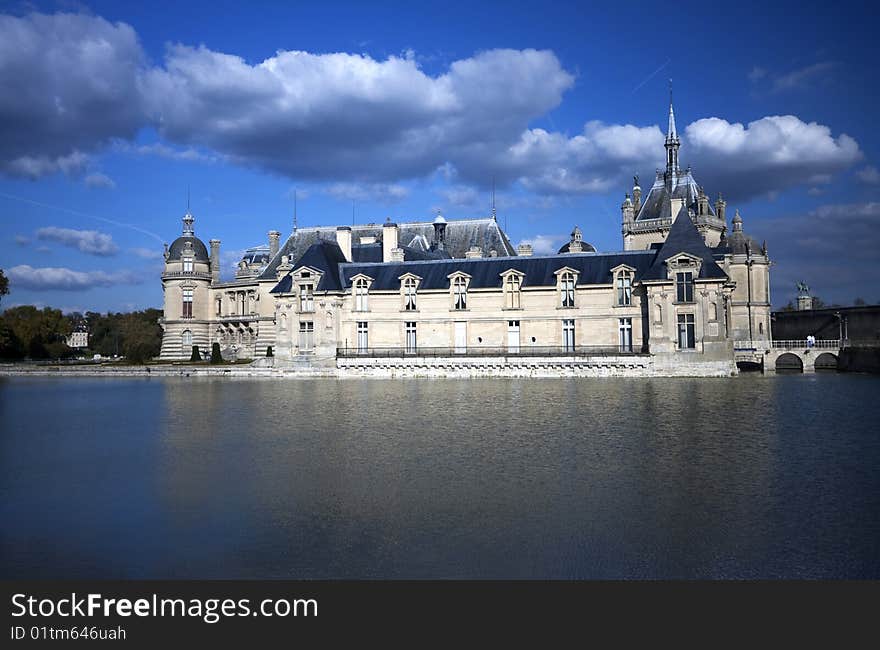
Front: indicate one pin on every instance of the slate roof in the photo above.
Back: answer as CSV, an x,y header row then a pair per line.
x,y
485,272
178,244
656,204
683,237
461,235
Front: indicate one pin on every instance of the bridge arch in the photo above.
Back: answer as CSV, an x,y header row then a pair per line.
x,y
826,361
789,362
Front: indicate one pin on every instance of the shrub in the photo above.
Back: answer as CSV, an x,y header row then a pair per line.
x,y
269,352
215,353
195,356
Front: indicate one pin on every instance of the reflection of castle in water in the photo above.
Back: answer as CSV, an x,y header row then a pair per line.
x,y
448,296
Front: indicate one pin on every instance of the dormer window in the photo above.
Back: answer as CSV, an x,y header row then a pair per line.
x,y
409,294
512,289
624,288
361,294
459,293
458,287
566,289
306,297
684,286
187,266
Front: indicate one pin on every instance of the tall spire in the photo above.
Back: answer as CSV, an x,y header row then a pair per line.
x,y
672,142
294,210
494,215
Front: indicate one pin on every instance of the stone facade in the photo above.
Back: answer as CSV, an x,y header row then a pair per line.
x,y
455,298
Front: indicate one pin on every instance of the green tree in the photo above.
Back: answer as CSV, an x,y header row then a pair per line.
x,y
36,329
215,353
4,284
196,355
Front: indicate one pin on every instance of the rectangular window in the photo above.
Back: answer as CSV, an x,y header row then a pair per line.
x,y
686,335
625,334
360,296
409,295
624,289
459,289
513,336
567,289
187,303
306,298
362,337
511,290
219,306
411,343
187,266
568,335
306,335
684,286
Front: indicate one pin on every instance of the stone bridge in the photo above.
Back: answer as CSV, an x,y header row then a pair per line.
x,y
794,356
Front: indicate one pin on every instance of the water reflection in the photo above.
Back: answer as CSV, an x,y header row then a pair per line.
x,y
743,477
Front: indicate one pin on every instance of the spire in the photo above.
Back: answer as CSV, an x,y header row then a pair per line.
x,y
737,222
294,211
494,215
188,219
672,142
671,133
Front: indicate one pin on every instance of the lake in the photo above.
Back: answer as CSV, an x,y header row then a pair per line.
x,y
746,477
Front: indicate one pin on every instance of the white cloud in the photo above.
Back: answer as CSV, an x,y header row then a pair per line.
x,y
86,241
803,76
362,126
70,85
64,279
146,253
869,175
545,244
98,179
381,192
21,240
757,73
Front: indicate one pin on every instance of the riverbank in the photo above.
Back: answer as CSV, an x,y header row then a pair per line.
x,y
397,368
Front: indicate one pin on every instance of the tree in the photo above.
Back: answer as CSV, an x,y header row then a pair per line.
x,y
215,353
859,302
4,284
195,356
269,352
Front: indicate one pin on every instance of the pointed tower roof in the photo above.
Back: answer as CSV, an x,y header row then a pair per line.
x,y
683,237
671,133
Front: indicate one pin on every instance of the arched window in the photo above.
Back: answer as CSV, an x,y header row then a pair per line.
x,y
512,291
361,287
186,341
566,289
459,293
409,294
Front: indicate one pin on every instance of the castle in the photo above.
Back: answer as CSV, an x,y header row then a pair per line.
x,y
455,297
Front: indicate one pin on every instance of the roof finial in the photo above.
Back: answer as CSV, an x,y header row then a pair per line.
x,y
295,225
187,199
494,216
671,132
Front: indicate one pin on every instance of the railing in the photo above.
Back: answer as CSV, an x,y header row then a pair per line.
x,y
485,351
797,344
196,275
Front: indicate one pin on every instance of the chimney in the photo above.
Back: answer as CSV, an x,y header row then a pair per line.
x,y
439,242
285,266
473,252
215,260
397,255
273,243
524,250
390,233
343,238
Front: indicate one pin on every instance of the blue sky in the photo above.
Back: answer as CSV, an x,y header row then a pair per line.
x,y
111,111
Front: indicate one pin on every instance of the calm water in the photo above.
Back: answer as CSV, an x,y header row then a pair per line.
x,y
749,477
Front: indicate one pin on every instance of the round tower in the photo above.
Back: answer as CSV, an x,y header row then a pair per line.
x,y
186,284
